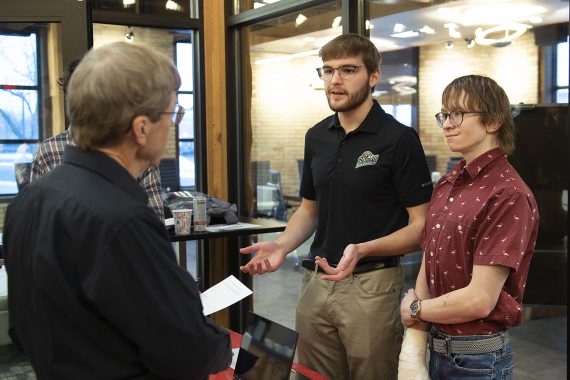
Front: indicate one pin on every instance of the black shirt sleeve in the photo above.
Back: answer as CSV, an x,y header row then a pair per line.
x,y
307,185
138,287
411,173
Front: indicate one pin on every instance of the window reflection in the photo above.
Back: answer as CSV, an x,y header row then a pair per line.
x,y
282,100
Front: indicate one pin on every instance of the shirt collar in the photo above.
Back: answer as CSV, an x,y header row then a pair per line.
x,y
477,165
108,168
370,124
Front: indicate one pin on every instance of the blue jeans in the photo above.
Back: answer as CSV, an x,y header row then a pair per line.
x,y
496,365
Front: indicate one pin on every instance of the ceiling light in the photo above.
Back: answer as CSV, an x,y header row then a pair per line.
x,y
408,34
535,20
300,19
427,30
173,6
449,45
489,13
452,28
336,22
128,3
506,34
470,42
399,28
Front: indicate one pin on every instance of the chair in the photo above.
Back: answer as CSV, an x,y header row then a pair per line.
x,y
169,177
270,202
22,172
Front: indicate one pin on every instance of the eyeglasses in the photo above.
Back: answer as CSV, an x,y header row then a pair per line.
x,y
455,117
177,115
346,72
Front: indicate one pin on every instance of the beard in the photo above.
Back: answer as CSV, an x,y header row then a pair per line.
x,y
355,100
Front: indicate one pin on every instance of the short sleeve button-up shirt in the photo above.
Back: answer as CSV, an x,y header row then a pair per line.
x,y
481,214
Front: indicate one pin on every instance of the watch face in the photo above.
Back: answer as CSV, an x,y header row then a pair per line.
x,y
414,308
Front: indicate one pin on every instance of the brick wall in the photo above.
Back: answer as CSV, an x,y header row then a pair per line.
x,y
287,100
514,67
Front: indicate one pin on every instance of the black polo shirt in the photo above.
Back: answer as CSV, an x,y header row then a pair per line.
x,y
362,181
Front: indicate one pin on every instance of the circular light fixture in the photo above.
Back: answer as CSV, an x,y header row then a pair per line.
x,y
509,33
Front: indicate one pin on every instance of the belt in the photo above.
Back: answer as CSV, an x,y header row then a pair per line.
x,y
451,345
388,262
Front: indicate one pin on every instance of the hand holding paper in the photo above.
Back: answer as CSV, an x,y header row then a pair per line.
x,y
223,294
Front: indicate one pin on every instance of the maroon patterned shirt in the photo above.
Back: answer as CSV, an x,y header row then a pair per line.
x,y
481,214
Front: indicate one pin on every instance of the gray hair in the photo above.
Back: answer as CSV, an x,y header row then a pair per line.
x,y
114,84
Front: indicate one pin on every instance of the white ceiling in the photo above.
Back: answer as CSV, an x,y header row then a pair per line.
x,y
468,15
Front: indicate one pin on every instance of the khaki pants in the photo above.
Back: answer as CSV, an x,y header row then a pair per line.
x,y
351,329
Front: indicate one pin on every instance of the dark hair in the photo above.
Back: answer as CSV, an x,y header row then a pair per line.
x,y
63,82
478,93
352,45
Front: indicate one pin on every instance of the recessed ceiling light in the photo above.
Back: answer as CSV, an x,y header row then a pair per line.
x,y
407,34
399,28
300,19
336,22
452,29
427,30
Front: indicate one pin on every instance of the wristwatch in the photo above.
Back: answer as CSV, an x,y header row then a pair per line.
x,y
415,309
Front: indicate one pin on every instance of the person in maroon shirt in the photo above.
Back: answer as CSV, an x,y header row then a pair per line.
x,y
478,240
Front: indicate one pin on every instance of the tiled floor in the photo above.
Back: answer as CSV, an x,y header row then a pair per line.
x,y
540,345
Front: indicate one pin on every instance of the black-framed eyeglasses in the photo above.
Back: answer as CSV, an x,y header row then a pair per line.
x,y
346,72
176,115
455,117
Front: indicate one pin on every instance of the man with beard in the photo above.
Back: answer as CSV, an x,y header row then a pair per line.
x,y
365,189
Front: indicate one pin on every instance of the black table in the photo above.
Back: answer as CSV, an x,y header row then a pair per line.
x,y
236,240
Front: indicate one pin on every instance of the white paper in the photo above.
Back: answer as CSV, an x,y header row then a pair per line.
x,y
223,294
235,352
230,227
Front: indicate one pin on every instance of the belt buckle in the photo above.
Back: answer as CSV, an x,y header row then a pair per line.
x,y
447,346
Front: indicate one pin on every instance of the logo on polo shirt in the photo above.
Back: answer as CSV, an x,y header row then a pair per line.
x,y
366,159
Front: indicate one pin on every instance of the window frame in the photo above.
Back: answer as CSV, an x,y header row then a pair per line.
x,y
39,88
554,75
179,139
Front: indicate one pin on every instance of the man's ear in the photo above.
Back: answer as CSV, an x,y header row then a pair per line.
x,y
374,78
139,129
